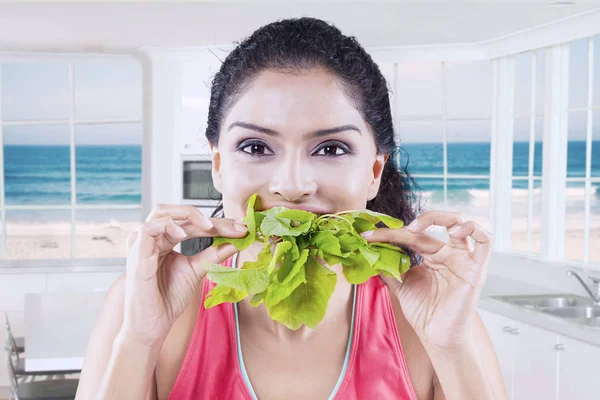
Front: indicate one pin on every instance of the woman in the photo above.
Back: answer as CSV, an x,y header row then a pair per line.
x,y
299,114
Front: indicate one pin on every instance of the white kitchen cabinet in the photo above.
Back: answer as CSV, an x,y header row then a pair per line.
x,y
540,364
498,328
578,371
535,363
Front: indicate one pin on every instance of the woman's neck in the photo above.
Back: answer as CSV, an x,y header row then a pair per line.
x,y
337,316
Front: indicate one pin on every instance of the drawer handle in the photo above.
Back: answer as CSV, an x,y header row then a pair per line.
x,y
559,347
508,328
514,331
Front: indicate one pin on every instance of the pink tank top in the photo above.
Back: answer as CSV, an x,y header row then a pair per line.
x,y
375,367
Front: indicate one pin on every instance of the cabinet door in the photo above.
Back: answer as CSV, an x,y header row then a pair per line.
x,y
579,375
498,328
535,363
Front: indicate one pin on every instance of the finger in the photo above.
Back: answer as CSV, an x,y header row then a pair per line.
x,y
196,224
482,238
182,213
226,227
435,217
448,219
211,255
419,242
149,237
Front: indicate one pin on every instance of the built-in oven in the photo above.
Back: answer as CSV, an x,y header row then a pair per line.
x,y
198,190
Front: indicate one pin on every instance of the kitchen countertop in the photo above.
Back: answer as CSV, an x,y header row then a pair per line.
x,y
500,286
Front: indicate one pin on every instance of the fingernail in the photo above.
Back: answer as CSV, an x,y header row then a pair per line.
x,y
240,227
367,234
180,232
413,225
454,231
208,223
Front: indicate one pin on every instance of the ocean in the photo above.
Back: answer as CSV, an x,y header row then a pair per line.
x,y
40,175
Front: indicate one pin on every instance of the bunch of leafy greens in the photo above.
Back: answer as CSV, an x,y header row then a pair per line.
x,y
294,286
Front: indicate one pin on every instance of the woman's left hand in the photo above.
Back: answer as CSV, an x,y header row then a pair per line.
x,y
439,297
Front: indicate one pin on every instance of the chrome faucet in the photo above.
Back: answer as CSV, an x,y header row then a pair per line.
x,y
594,292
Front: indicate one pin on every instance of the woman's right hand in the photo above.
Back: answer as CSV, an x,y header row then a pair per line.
x,y
160,282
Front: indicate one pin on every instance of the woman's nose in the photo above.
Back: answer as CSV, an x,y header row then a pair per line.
x,y
292,180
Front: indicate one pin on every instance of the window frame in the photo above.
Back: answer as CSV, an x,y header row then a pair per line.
x,y
555,119
445,176
589,109
72,122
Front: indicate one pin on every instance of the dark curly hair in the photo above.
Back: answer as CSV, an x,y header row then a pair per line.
x,y
302,44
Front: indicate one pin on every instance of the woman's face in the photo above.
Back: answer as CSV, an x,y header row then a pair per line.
x,y
297,141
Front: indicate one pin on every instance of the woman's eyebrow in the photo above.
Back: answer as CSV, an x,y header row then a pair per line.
x,y
271,132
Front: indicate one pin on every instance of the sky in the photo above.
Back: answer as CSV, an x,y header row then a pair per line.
x,y
113,90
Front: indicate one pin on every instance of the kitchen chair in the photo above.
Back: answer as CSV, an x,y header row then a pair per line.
x,y
18,363
50,389
19,341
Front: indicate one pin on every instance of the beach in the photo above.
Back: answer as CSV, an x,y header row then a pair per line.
x,y
34,240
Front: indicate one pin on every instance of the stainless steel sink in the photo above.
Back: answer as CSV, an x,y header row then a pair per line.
x,y
547,300
574,312
580,310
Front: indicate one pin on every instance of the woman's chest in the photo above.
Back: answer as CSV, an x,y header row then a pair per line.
x,y
294,370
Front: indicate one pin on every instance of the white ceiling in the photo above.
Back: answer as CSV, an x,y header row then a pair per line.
x,y
78,26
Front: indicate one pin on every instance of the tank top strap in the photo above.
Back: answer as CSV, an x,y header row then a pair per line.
x,y
210,369
377,367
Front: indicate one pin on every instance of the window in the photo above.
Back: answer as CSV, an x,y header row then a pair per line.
x,y
582,197
70,165
443,113
528,119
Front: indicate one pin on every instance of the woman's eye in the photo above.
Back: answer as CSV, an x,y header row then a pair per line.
x,y
255,149
332,150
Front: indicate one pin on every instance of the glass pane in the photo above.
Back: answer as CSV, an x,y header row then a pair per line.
x,y
574,221
469,147
578,73
540,63
38,234
103,233
523,84
419,89
576,144
35,91
597,70
108,89
469,89
522,127
423,142
432,192
594,254
596,144
472,198
520,210
109,164
37,166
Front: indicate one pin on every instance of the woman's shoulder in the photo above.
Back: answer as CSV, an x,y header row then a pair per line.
x,y
417,360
